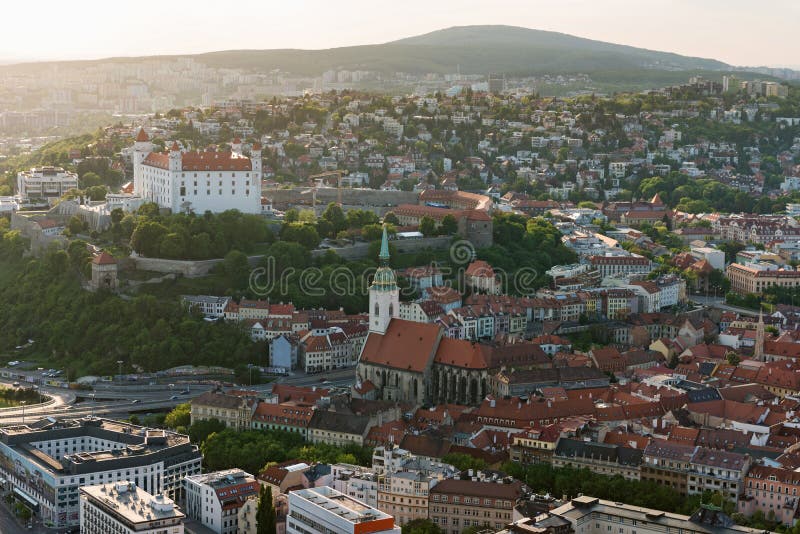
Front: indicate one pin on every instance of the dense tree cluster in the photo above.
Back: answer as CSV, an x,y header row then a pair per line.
x,y
190,236
88,332
525,243
569,481
251,450
703,195
14,396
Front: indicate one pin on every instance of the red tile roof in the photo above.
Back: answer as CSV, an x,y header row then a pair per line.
x,y
202,161
405,345
104,258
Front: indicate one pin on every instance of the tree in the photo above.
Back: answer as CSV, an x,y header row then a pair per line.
x,y
427,226
335,215
449,225
97,192
421,526
181,415
733,358
146,239
291,216
90,179
237,269
391,218
75,225
117,215
265,514
201,430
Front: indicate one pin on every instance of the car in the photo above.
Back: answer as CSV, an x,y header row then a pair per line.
x,y
15,384
174,397
136,401
184,392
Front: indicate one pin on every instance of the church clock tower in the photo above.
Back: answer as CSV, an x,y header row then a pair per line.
x,y
384,295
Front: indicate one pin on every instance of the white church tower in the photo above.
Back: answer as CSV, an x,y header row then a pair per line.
x,y
384,295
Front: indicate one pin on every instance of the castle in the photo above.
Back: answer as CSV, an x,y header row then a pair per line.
x,y
194,181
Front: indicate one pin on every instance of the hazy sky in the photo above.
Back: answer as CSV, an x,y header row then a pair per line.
x,y
740,32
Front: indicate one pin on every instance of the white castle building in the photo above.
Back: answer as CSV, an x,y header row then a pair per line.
x,y
197,181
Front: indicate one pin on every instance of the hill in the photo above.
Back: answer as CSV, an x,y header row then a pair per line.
x,y
473,50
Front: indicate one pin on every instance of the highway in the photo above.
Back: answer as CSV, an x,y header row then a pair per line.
x,y
120,400
719,303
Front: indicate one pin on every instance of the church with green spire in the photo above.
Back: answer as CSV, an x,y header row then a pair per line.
x,y
384,295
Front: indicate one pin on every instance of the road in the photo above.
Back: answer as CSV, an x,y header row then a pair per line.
x,y
719,303
119,400
10,525
113,402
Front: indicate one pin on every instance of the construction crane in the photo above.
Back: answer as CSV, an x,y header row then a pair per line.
x,y
320,178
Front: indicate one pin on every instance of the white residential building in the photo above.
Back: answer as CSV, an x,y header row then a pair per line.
x,y
714,256
123,508
360,483
45,182
208,305
214,499
326,510
197,181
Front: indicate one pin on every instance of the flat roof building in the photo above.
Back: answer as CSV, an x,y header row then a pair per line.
x,y
324,509
45,182
47,462
123,508
590,515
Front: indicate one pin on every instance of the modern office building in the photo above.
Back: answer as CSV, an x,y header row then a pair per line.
x,y
326,510
45,182
123,508
48,461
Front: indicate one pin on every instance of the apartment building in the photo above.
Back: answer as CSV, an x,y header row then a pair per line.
x,y
236,411
601,458
620,265
404,495
456,504
214,499
756,277
358,482
668,464
717,471
771,490
209,305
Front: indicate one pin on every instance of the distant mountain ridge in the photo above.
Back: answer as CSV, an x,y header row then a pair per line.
x,y
509,50
472,50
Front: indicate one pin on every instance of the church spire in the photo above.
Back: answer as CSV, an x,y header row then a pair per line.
x,y
758,351
384,254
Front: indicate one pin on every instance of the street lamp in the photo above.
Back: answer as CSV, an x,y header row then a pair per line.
x,y
23,411
119,363
92,412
